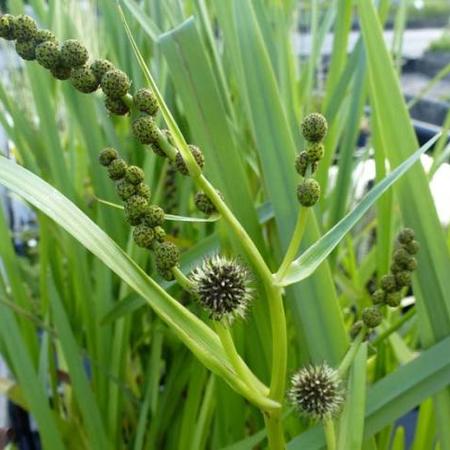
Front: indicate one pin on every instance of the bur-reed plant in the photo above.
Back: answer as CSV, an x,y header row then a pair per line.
x,y
220,283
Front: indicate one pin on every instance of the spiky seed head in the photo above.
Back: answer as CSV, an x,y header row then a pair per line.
x,y
134,175
301,163
61,72
26,50
222,288
145,130
125,189
116,106
145,101
308,192
314,127
180,163
315,151
25,28
204,204
401,257
115,83
83,79
154,216
388,283
412,247
160,234
8,27
73,53
44,36
143,235
412,264
48,54
316,392
403,279
117,169
107,156
135,206
143,190
167,255
100,67
406,235
393,299
379,296
372,316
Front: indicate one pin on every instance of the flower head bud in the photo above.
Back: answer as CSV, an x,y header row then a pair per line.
x,y
83,79
145,101
356,328
314,127
145,130
388,283
154,216
44,36
316,392
393,299
116,106
301,163
180,163
403,279
406,235
412,264
107,156
115,83
73,53
412,247
379,297
143,235
166,274
25,28
315,151
134,175
61,72
143,190
160,234
204,204
167,255
401,257
125,189
26,50
8,27
308,192
222,288
100,67
157,148
372,316
48,54
117,169
135,207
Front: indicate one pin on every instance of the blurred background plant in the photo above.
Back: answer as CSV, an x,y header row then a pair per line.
x,y
238,76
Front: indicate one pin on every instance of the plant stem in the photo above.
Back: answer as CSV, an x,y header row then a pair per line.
x,y
330,434
296,240
275,433
351,353
182,279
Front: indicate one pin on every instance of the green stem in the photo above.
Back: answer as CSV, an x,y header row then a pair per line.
x,y
351,353
330,435
294,245
275,433
394,327
182,279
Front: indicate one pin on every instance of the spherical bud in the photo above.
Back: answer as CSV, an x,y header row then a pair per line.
x,y
83,79
25,28
48,54
388,283
406,235
308,192
401,257
316,392
100,67
314,127
301,163
403,279
73,53
204,204
145,101
154,216
180,164
160,234
372,316
145,130
44,36
157,148
167,255
117,169
166,274
143,190
134,175
143,236
135,207
395,268
115,83
8,27
107,156
379,297
125,189
116,106
412,247
412,264
393,299
222,288
61,72
315,151
26,50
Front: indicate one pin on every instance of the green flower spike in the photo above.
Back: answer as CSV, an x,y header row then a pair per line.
x,y
117,169
315,151
145,130
135,208
44,36
401,257
167,256
388,283
406,235
403,279
115,83
134,175
26,50
61,72
379,297
412,247
145,101
48,54
204,204
73,53
125,189
83,79
308,192
160,234
143,235
116,106
180,164
154,216
107,156
143,190
314,127
301,163
393,299
372,316
100,67
25,28
8,27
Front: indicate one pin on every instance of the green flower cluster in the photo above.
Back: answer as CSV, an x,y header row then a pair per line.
x,y
146,218
393,285
314,128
